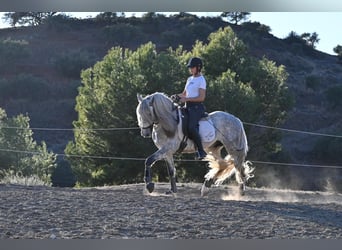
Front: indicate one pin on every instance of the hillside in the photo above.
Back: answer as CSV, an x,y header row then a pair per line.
x,y
60,48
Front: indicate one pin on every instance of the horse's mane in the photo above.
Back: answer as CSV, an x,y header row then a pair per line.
x,y
164,110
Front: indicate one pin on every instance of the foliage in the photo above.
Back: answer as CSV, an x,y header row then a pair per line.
x,y
223,51
304,43
27,18
108,99
236,17
12,51
311,39
106,17
338,51
63,22
12,177
20,153
252,89
293,37
232,96
262,78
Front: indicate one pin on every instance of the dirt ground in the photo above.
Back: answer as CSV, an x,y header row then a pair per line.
x,y
129,212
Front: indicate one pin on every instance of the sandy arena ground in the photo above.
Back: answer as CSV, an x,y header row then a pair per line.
x,y
129,212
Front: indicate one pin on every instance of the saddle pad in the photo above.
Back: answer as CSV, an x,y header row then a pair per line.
x,y
206,130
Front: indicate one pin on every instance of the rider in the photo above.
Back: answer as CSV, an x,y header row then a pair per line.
x,y
193,96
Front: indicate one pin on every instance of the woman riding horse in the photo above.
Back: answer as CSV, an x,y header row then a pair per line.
x,y
193,96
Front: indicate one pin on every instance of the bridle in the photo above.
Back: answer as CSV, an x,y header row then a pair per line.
x,y
153,113
154,116
148,127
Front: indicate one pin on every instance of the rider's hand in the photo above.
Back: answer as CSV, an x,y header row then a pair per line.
x,y
182,99
175,98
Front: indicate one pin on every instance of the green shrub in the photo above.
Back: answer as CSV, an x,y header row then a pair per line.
x,y
17,178
20,154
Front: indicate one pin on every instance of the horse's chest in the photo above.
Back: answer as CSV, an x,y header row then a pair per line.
x,y
161,140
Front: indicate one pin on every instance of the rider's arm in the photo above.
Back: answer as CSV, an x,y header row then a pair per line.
x,y
199,98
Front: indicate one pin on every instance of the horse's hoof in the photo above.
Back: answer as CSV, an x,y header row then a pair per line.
x,y
150,187
204,190
168,192
242,189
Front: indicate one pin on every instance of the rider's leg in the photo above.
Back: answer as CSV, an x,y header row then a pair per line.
x,y
195,115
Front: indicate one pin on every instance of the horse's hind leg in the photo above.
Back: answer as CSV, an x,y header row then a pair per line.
x,y
215,151
172,174
239,158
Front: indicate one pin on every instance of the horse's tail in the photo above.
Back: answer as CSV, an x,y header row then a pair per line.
x,y
220,169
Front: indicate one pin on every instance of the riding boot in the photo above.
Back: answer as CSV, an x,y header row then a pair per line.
x,y
201,154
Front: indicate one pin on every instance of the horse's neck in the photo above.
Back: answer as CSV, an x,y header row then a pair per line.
x,y
179,132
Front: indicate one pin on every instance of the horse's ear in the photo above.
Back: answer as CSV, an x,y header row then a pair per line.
x,y
139,97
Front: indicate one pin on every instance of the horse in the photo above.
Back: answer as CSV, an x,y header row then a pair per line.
x,y
160,118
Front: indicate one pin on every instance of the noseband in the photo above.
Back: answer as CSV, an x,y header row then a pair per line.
x,y
148,127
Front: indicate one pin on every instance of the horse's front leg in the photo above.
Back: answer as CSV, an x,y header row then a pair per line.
x,y
158,155
172,173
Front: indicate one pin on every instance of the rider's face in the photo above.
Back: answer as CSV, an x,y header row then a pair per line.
x,y
193,70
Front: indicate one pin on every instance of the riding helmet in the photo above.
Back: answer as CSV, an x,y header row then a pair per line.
x,y
195,62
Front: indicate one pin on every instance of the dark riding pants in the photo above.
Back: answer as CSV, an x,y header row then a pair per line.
x,y
195,113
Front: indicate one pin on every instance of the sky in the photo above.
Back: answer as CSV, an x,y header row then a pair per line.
x,y
326,24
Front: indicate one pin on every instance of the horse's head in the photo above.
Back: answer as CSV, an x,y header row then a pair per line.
x,y
145,115
156,109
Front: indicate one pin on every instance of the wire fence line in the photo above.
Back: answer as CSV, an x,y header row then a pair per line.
x,y
293,130
182,160
70,129
136,128
177,160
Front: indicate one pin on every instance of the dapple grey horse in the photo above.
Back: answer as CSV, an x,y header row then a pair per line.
x,y
158,116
